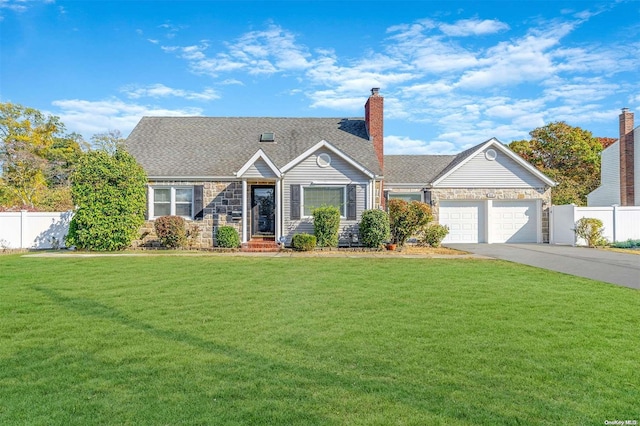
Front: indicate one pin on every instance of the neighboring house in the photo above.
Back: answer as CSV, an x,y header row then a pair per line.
x,y
620,168
264,176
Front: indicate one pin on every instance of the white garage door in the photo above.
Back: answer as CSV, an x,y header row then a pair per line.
x,y
514,222
465,220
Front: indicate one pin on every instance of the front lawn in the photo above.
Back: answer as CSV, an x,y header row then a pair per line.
x,y
247,340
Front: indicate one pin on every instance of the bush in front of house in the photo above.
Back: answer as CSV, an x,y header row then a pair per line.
x,y
227,237
374,228
171,231
590,229
109,190
433,234
407,219
303,242
326,223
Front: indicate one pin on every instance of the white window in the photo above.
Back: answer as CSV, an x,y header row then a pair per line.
x,y
322,196
176,201
406,196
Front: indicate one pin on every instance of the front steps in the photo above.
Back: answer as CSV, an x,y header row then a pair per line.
x,y
260,245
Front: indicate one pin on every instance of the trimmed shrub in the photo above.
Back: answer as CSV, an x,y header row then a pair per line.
x,y
110,192
326,223
433,234
590,229
629,244
171,231
303,242
407,219
227,237
374,228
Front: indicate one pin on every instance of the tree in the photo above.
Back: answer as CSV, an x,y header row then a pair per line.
x,y
109,191
569,155
109,142
36,157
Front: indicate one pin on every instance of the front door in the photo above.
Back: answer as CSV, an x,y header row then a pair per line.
x,y
263,210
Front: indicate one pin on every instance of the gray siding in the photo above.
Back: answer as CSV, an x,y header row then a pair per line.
x,y
503,172
259,169
339,173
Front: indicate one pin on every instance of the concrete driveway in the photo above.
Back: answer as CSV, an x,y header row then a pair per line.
x,y
603,265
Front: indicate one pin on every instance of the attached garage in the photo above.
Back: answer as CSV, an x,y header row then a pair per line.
x,y
491,221
465,220
486,194
514,221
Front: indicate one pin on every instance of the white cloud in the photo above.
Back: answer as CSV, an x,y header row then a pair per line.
x,y
161,91
269,51
91,117
404,145
467,27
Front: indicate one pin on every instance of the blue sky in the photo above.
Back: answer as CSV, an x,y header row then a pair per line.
x,y
453,74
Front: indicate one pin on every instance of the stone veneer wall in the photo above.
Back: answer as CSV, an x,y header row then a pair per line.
x,y
544,194
219,200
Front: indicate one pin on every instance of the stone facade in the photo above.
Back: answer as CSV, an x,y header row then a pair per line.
x,y
461,194
220,199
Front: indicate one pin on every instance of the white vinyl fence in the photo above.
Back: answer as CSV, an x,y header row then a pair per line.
x,y
619,223
29,230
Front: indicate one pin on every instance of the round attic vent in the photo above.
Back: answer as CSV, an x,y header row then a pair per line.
x,y
490,154
323,160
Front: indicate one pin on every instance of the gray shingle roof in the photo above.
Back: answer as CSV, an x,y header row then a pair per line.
x,y
220,146
419,169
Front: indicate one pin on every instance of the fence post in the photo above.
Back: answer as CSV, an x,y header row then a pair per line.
x,y
23,224
615,220
573,223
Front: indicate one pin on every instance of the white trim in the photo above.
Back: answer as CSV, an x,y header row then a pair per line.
x,y
278,203
343,212
259,154
244,211
172,200
327,145
192,178
505,150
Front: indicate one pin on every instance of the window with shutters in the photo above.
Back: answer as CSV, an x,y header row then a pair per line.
x,y
171,200
322,196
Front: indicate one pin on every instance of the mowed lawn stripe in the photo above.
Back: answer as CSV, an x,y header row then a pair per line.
x,y
236,340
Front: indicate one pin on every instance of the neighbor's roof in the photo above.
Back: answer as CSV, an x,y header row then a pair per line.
x,y
220,146
414,169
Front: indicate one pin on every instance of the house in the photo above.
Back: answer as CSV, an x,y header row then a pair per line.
x,y
620,168
264,176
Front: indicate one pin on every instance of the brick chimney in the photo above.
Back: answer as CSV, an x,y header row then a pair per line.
x,y
626,158
373,118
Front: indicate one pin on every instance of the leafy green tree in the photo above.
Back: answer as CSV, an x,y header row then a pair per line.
x,y
36,157
110,193
569,155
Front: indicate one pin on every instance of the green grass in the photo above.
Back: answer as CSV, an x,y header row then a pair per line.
x,y
241,340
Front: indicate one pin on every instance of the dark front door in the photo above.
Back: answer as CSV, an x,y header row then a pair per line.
x,y
263,210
